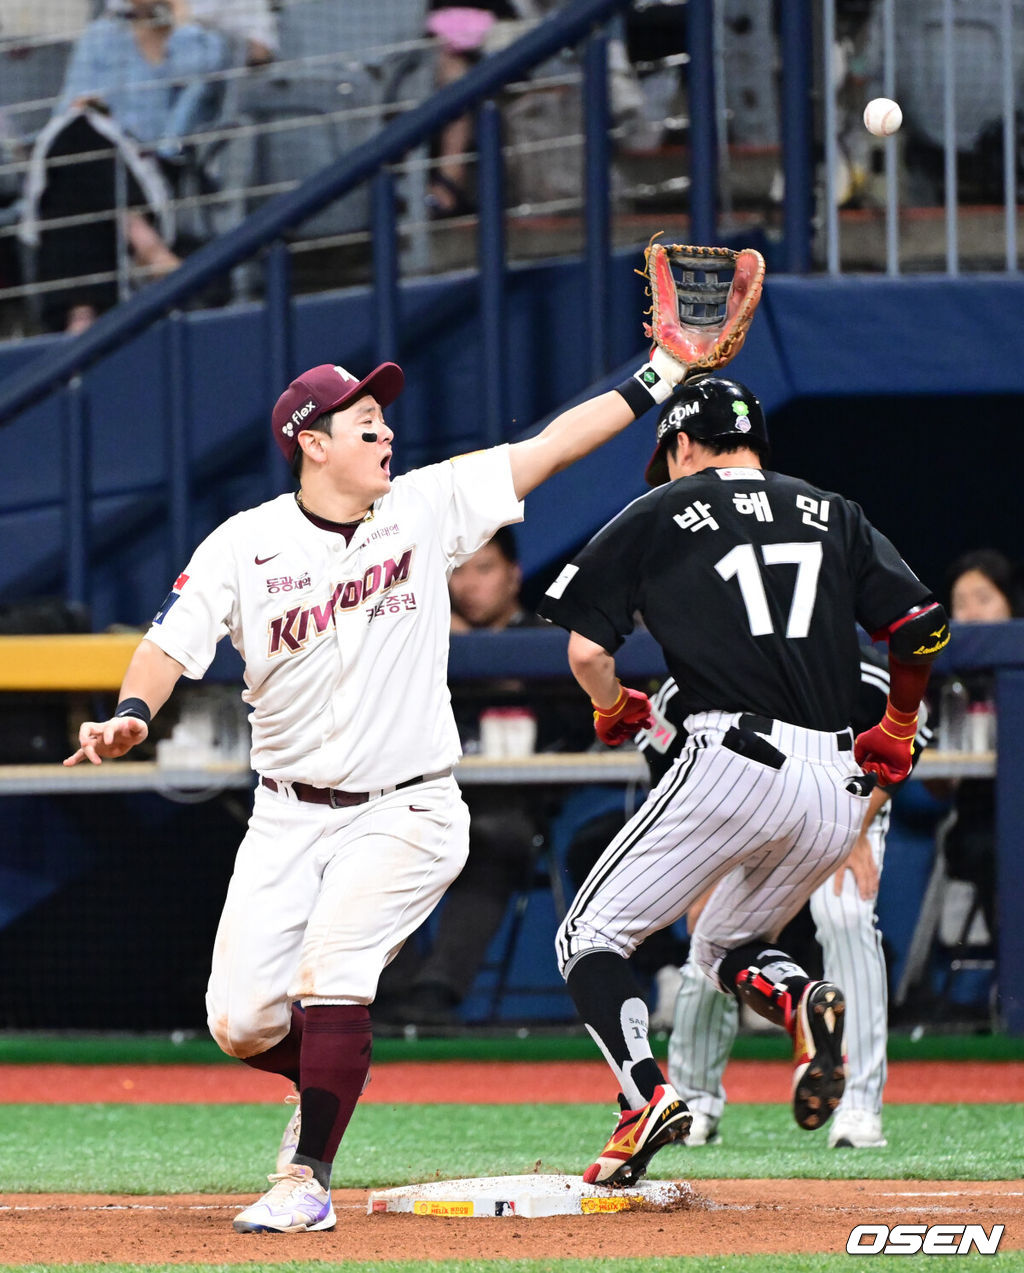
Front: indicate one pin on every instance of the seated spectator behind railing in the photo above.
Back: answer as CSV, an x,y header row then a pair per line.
x,y
984,587
507,824
250,26
133,88
461,30
544,154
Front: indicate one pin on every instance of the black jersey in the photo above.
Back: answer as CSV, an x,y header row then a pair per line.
x,y
751,582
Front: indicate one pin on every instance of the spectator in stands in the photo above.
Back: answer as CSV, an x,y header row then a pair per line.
x,y
250,26
984,587
542,127
134,87
461,28
507,825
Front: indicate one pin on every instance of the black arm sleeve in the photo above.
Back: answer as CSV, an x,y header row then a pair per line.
x,y
886,587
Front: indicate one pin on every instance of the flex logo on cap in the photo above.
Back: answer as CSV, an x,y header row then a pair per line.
x,y
297,417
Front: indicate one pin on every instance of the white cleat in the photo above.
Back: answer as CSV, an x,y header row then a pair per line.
x,y
703,1130
856,1129
667,981
290,1140
297,1203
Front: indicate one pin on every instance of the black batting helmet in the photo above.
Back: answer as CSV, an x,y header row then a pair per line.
x,y
707,408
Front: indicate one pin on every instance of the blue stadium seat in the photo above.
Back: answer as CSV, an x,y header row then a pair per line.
x,y
30,79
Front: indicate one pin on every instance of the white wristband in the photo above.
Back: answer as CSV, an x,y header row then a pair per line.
x,y
659,389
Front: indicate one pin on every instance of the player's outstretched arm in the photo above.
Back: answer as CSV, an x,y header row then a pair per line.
x,y
588,425
619,713
147,685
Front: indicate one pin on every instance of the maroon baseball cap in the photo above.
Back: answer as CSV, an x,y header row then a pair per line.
x,y
326,388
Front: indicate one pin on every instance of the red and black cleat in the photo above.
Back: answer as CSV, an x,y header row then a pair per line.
x,y
819,1076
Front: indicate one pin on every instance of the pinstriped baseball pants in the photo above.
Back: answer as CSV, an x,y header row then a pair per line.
x,y
770,825
852,956
706,1020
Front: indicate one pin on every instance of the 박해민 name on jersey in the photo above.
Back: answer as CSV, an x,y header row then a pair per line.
x,y
695,517
698,515
291,631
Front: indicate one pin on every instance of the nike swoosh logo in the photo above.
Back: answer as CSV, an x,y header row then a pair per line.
x,y
262,561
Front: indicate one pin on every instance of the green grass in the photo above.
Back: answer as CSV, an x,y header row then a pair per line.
x,y
146,1149
471,1045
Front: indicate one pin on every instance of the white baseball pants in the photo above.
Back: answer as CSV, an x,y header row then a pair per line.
x,y
322,899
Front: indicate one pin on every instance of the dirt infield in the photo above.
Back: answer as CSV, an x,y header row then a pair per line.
x,y
730,1216
489,1082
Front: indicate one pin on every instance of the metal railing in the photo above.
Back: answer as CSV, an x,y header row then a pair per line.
x,y
384,161
373,160
220,204
952,67
263,235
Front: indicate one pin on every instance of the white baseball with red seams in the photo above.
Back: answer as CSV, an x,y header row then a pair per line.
x,y
882,117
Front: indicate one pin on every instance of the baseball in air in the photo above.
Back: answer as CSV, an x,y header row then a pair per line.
x,y
882,116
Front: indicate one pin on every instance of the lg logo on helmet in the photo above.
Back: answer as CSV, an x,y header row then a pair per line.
x,y
934,1239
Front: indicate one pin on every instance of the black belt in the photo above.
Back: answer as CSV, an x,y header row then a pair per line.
x,y
764,725
343,799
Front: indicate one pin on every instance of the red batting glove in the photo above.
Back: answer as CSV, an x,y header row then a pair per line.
x,y
887,749
628,715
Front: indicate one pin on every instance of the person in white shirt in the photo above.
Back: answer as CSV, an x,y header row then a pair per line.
x,y
337,599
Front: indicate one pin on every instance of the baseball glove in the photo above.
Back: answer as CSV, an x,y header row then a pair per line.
x,y
702,301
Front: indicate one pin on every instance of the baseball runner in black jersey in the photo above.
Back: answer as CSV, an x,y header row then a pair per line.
x,y
843,911
752,583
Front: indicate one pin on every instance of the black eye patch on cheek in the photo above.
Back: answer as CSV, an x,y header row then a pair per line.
x,y
370,437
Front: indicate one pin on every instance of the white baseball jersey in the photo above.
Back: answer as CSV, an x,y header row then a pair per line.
x,y
345,645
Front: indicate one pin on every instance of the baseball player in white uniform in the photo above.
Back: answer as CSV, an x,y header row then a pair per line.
x,y
843,910
336,597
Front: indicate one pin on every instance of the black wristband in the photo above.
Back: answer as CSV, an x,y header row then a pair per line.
x,y
637,398
134,707
644,389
